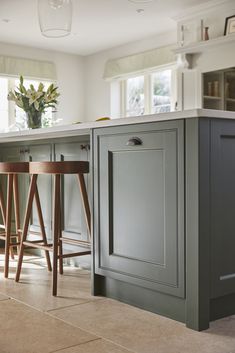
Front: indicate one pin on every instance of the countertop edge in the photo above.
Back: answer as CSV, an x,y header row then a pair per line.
x,y
83,129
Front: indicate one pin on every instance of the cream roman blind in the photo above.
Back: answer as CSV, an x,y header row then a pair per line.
x,y
34,69
138,63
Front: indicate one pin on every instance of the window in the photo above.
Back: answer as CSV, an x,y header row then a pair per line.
x,y
161,92
151,93
135,96
4,103
12,116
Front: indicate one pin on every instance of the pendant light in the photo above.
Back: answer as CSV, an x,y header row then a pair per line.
x,y
55,17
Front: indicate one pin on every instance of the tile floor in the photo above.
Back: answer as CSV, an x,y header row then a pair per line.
x,y
32,321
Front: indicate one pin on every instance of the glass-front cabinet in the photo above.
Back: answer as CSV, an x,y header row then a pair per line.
x,y
219,90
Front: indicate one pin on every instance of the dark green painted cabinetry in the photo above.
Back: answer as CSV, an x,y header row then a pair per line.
x,y
139,205
222,208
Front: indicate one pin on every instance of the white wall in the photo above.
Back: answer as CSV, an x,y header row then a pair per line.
x,y
70,74
97,91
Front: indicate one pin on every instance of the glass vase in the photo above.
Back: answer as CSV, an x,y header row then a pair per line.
x,y
34,119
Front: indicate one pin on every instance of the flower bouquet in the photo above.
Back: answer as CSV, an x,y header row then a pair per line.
x,y
34,101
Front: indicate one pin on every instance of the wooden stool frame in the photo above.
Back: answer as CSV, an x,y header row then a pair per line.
x,y
58,239
11,170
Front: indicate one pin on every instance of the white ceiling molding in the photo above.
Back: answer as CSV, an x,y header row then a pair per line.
x,y
202,9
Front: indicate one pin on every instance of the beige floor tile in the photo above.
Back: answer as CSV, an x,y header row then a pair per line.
x,y
144,332
26,330
3,297
35,283
98,346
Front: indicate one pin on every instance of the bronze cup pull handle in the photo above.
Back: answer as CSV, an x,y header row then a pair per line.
x,y
134,141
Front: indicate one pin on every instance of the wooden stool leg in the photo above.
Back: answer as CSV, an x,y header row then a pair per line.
x,y
60,235
3,207
17,209
3,212
85,201
31,194
8,223
42,227
55,233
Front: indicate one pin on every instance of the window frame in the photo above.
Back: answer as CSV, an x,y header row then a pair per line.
x,y
148,92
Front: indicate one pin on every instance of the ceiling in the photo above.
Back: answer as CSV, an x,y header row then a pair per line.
x,y
97,24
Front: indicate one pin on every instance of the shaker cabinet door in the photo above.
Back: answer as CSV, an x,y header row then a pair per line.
x,y
138,203
41,153
222,208
74,224
14,154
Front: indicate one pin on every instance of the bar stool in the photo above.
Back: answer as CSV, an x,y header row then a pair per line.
x,y
57,169
11,170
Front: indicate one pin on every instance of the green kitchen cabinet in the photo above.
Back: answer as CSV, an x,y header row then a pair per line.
x,y
139,205
163,217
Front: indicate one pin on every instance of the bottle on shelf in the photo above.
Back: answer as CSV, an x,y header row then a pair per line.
x,y
227,94
209,89
206,34
216,89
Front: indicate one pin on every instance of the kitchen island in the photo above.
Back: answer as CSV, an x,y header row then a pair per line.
x,y
163,202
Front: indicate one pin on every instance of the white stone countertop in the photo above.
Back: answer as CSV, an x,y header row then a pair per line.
x,y
84,129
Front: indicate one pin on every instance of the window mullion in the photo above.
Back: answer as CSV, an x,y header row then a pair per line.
x,y
123,98
147,94
11,104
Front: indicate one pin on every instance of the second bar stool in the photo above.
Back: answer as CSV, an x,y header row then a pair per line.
x,y
79,168
11,170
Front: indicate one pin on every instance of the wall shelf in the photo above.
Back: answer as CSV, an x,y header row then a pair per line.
x,y
212,97
200,47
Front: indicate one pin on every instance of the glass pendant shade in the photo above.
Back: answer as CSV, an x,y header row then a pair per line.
x,y
55,17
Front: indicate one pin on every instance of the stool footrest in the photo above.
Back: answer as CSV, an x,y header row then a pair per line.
x,y
14,244
33,232
81,253
37,245
3,236
81,243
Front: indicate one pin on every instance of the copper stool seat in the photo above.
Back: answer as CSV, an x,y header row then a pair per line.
x,y
79,168
11,170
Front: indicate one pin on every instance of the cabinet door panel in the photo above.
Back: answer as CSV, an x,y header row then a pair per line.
x,y
14,154
39,153
74,225
139,195
222,208
125,234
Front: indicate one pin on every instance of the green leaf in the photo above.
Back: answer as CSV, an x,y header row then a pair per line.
x,y
40,87
50,88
